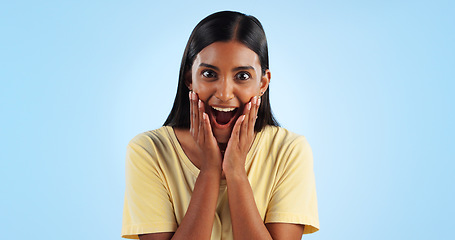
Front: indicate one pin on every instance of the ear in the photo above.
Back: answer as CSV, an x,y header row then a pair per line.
x,y
188,81
265,80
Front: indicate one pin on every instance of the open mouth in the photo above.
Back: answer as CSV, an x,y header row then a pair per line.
x,y
223,116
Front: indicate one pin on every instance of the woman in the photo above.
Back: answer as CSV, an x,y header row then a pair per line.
x,y
220,167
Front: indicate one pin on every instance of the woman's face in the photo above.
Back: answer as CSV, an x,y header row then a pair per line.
x,y
226,76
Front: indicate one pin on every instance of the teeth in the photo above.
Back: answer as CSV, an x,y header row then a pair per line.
x,y
223,109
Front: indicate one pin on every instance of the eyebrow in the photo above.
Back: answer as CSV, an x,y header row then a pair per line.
x,y
234,69
209,66
243,68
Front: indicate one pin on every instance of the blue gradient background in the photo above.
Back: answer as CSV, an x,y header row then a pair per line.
x,y
369,83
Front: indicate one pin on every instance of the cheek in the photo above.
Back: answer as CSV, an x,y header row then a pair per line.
x,y
245,95
201,90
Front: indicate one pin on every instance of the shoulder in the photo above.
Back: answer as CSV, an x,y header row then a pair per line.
x,y
151,145
283,138
285,148
151,138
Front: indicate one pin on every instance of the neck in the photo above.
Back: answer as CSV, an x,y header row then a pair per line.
x,y
222,147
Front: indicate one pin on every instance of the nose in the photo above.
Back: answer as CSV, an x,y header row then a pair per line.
x,y
225,90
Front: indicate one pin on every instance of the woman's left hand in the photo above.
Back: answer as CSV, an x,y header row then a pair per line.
x,y
242,137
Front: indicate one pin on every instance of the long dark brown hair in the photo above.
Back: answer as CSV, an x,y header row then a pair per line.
x,y
222,27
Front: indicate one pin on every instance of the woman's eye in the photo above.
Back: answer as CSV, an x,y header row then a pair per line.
x,y
209,74
243,76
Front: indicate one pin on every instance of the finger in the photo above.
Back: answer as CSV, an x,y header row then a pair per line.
x,y
200,121
257,109
208,129
253,116
244,126
190,96
195,116
235,135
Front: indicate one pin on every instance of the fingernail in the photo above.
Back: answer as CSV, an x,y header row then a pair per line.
x,y
243,117
259,101
199,103
248,106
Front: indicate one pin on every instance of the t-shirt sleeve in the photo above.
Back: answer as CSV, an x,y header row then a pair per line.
x,y
147,207
293,198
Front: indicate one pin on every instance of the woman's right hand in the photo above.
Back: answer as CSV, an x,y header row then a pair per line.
x,y
209,153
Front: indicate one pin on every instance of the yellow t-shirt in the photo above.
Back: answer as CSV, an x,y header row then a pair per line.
x,y
160,180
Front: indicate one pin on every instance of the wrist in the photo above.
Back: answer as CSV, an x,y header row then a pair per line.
x,y
235,173
211,173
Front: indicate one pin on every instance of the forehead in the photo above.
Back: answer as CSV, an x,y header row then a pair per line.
x,y
226,54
